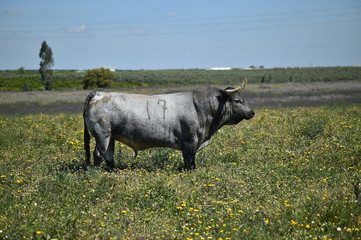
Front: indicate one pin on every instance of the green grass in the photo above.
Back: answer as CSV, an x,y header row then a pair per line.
x,y
286,174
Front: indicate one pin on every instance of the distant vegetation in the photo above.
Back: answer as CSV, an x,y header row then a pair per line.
x,y
29,80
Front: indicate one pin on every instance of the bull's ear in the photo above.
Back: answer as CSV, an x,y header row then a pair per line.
x,y
223,95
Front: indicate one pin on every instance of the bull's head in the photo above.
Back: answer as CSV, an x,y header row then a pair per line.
x,y
239,109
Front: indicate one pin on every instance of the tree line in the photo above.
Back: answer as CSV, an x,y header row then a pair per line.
x,y
29,80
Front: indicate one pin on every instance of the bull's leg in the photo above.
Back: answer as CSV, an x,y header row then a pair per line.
x,y
102,134
97,157
109,155
189,160
104,149
193,162
189,149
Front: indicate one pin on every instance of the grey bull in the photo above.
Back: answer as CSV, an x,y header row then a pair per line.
x,y
185,121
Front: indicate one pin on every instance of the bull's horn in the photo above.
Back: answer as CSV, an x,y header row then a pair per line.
x,y
236,90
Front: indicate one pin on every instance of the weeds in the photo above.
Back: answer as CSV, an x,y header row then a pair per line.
x,y
288,173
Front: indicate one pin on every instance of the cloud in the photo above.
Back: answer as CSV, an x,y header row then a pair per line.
x,y
11,13
138,31
77,29
45,11
268,20
188,53
172,14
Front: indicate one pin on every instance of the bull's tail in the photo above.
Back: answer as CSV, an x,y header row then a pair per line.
x,y
86,131
86,144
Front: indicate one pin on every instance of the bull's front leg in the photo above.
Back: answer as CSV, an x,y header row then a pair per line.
x,y
189,149
189,160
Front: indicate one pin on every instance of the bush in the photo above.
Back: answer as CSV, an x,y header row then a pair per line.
x,y
98,78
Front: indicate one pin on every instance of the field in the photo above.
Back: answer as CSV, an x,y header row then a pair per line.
x,y
289,173
293,94
29,80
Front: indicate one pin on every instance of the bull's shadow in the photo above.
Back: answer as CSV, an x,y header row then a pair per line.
x,y
74,166
150,160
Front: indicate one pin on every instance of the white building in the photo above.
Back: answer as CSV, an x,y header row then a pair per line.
x,y
220,68
112,69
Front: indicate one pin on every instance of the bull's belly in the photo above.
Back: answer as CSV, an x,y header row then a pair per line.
x,y
144,144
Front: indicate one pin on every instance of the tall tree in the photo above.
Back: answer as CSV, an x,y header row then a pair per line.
x,y
46,63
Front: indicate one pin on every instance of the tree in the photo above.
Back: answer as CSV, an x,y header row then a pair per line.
x,y
21,70
270,77
46,63
98,78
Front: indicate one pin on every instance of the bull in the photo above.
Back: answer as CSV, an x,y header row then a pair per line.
x,y
184,121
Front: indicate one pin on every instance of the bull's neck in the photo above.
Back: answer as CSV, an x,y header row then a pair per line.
x,y
219,118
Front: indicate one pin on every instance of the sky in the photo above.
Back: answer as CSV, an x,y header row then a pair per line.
x,y
178,34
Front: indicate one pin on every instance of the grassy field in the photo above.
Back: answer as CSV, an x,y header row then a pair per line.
x,y
286,174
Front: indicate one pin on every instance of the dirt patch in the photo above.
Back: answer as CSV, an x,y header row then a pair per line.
x,y
34,107
257,95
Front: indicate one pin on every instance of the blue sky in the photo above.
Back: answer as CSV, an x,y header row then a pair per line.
x,y
170,34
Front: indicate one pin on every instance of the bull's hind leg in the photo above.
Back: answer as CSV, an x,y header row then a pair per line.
x,y
104,149
104,144
97,157
109,155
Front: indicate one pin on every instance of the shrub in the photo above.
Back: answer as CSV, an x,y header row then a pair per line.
x,y
98,78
